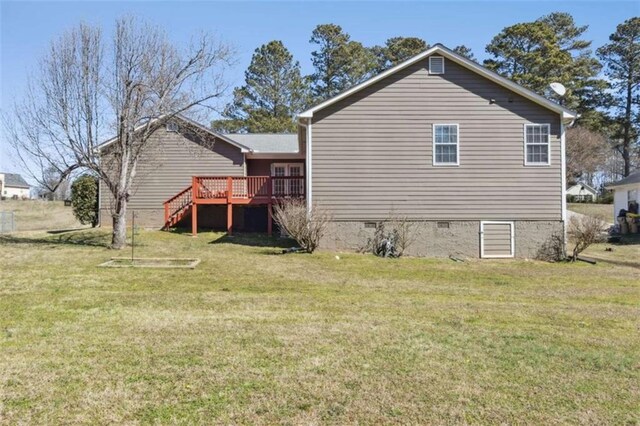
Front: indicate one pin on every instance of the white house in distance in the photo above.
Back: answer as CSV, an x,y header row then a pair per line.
x,y
12,185
626,191
582,192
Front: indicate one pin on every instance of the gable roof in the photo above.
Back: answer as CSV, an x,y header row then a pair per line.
x,y
629,180
191,122
14,180
461,60
584,185
272,143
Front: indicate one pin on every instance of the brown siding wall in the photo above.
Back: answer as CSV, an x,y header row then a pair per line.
x,y
372,152
167,167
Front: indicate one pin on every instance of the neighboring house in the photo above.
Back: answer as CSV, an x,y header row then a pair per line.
x,y
475,160
12,185
582,192
626,191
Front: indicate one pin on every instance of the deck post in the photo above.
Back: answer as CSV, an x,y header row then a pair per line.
x,y
194,207
229,205
166,213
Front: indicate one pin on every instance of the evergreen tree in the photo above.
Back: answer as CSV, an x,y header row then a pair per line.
x,y
274,91
621,57
527,53
397,50
465,51
84,199
339,62
550,49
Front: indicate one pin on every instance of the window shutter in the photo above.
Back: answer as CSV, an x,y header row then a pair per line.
x,y
436,65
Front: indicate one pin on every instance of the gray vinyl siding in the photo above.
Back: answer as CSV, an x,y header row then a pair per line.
x,y
496,239
168,165
372,152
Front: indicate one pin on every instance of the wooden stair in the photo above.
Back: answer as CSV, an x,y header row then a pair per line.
x,y
177,207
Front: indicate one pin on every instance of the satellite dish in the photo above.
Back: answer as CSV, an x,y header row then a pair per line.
x,y
558,88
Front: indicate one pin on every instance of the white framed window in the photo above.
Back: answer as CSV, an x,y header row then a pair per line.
x,y
436,65
537,145
446,145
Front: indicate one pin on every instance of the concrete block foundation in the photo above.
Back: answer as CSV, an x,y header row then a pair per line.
x,y
444,238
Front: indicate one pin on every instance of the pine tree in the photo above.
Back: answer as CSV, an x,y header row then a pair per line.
x,y
465,51
396,50
339,62
621,57
528,54
550,49
274,91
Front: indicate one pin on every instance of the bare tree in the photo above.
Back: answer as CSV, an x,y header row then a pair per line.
x,y
587,153
307,228
88,87
584,231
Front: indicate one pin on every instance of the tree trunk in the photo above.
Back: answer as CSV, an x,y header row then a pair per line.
x,y
119,234
626,141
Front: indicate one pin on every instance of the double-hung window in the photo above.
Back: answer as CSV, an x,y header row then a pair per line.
x,y
446,145
536,144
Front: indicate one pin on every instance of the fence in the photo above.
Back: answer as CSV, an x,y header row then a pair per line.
x,y
7,222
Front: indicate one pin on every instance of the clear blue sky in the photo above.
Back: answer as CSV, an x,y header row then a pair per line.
x,y
28,27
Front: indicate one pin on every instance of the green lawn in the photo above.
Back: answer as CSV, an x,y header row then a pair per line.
x,y
251,336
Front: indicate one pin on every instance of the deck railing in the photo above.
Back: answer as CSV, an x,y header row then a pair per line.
x,y
177,203
248,187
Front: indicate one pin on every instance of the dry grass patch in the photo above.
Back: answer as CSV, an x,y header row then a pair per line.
x,y
31,215
591,209
258,338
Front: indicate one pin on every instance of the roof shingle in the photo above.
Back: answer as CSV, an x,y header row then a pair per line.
x,y
280,143
632,178
14,180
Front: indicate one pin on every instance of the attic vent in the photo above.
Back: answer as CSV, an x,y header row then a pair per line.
x,y
436,65
172,126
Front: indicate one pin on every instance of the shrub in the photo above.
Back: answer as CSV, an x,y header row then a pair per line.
x,y
307,228
553,249
84,199
606,197
584,231
392,237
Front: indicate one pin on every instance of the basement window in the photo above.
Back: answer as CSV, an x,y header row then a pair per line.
x,y
436,65
443,225
370,225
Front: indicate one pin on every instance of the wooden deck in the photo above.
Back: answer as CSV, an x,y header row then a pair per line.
x,y
230,191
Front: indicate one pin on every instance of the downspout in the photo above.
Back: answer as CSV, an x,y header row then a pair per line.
x,y
563,172
308,165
